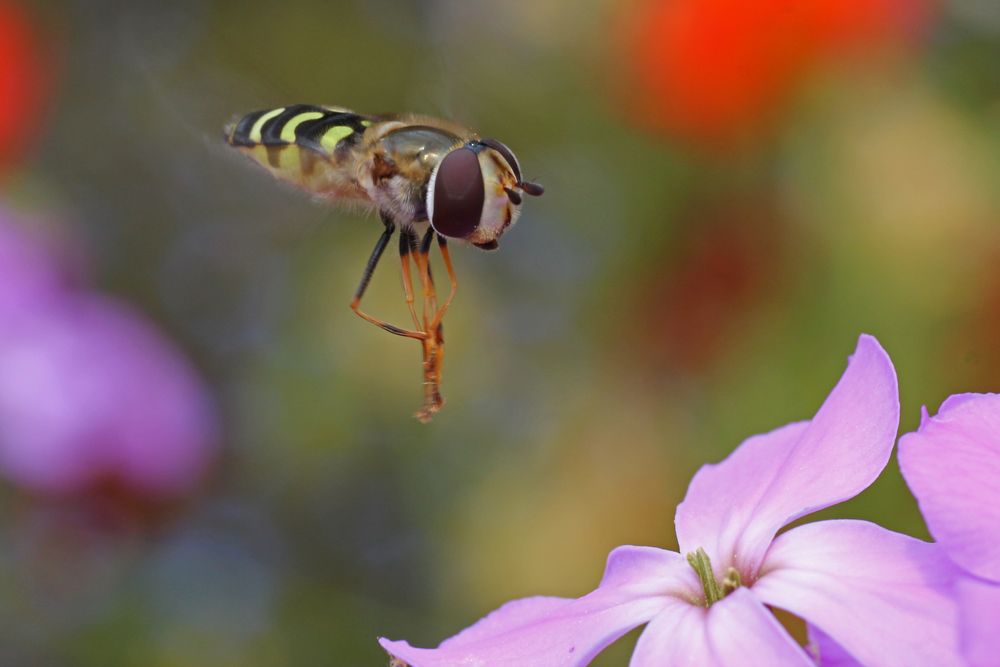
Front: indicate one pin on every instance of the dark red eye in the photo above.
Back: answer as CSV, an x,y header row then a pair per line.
x,y
507,154
455,202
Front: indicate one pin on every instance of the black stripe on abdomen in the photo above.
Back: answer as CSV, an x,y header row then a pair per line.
x,y
271,132
310,133
240,133
306,125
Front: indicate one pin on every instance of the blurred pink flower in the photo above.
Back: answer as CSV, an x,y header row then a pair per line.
x,y
90,393
869,595
952,464
34,270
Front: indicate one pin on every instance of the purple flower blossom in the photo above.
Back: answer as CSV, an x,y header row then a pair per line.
x,y
869,596
89,391
952,464
32,274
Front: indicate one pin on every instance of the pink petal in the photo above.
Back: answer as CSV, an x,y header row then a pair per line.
x,y
568,635
952,464
544,632
734,508
737,631
650,571
35,272
827,652
91,390
979,613
885,598
510,616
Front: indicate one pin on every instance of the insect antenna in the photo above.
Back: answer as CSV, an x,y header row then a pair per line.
x,y
533,189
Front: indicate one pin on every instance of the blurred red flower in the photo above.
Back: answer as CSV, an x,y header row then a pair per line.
x,y
730,260
715,70
24,81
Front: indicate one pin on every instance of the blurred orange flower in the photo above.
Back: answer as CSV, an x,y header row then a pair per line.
x,y
717,70
24,81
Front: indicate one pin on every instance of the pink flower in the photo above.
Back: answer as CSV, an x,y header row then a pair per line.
x,y
869,595
952,464
32,274
90,392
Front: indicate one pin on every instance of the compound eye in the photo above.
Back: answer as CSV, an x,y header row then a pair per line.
x,y
507,155
457,194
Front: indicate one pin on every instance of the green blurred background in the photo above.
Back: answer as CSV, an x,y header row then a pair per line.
x,y
666,298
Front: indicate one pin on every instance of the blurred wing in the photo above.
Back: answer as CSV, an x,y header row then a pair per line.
x,y
312,147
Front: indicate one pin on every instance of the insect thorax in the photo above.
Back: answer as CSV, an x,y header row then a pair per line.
x,y
399,165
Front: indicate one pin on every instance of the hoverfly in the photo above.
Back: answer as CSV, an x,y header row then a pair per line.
x,y
431,179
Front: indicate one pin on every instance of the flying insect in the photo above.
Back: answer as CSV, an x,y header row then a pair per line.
x,y
431,179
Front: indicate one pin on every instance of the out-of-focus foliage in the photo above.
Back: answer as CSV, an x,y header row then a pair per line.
x,y
729,202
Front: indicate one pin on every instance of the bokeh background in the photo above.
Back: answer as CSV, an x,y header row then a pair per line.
x,y
209,460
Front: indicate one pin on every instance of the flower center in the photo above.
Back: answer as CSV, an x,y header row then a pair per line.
x,y
714,590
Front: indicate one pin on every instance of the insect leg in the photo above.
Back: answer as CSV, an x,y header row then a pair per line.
x,y
406,243
434,342
425,249
376,255
422,258
446,256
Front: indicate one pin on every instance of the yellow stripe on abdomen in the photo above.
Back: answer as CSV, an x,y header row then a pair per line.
x,y
288,131
255,131
308,146
333,136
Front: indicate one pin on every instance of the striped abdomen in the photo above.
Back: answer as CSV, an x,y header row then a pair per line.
x,y
309,146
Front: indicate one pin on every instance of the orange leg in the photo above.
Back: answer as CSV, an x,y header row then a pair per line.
x,y
422,259
429,332
366,278
446,256
405,245
433,344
